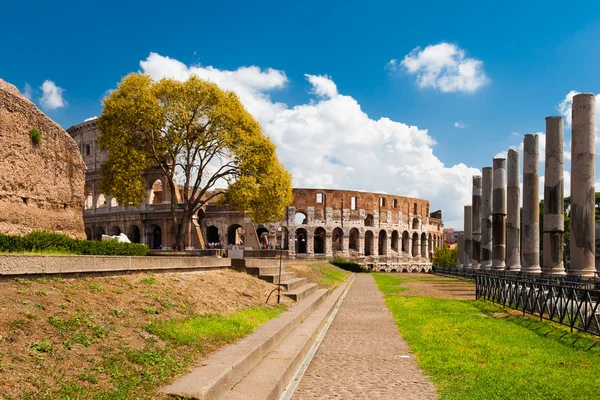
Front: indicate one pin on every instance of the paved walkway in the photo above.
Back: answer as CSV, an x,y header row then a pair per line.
x,y
360,355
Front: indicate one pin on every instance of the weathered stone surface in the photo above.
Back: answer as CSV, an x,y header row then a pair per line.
x,y
513,219
468,241
486,219
476,225
554,203
461,250
499,215
583,168
42,185
531,201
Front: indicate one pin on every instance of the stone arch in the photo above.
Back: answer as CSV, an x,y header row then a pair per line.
x,y
212,234
405,242
301,240
155,237
353,240
337,239
99,232
382,248
134,234
319,240
263,236
235,235
395,240
415,223
114,230
423,245
88,193
300,218
415,244
156,191
430,243
369,220
368,243
88,234
101,201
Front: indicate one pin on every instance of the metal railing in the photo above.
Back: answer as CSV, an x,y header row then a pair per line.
x,y
575,304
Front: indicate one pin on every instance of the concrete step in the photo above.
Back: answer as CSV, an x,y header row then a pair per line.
x,y
254,262
269,379
301,292
220,372
270,270
274,278
293,283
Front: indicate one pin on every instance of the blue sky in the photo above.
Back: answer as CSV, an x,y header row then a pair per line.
x,y
530,55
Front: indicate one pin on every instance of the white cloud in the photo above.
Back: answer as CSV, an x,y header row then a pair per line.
x,y
331,142
90,118
51,96
392,65
444,66
322,85
565,107
460,125
27,91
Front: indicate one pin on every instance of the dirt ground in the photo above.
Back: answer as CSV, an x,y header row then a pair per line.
x,y
438,286
52,329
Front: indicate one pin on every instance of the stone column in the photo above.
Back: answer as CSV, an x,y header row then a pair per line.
x,y
468,263
476,223
486,219
583,164
346,245
499,214
531,204
328,245
554,199
361,244
513,209
460,244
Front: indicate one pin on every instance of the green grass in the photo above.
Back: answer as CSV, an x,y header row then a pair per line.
x,y
331,274
200,330
475,350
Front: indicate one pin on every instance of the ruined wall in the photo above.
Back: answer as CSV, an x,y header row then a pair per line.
x,y
41,186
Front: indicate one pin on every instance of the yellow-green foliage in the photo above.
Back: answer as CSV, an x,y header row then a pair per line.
x,y
36,136
194,122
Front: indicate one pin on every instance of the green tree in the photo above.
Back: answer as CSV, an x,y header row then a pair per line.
x,y
198,135
445,257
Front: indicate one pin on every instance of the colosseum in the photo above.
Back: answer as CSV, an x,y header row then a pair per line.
x,y
379,231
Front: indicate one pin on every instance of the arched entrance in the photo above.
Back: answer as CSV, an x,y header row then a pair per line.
x,y
300,218
88,234
235,235
395,240
133,234
114,231
283,238
337,239
156,238
212,235
423,245
99,232
319,239
301,236
415,244
405,240
263,236
353,242
382,243
368,243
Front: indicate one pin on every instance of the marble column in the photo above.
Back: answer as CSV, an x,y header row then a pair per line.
x,y
554,199
531,206
486,218
476,224
468,263
460,244
583,164
513,209
499,214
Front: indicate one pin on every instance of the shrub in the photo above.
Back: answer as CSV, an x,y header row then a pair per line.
x,y
445,257
36,136
47,242
348,265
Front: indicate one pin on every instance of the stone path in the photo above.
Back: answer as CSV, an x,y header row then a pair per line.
x,y
360,357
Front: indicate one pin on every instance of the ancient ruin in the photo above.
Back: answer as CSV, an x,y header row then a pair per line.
x,y
42,171
380,231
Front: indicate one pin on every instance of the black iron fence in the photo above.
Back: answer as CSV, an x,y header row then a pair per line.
x,y
573,301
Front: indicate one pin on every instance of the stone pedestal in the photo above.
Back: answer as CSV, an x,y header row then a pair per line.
x,y
467,262
531,204
583,165
554,204
513,209
499,215
476,224
486,218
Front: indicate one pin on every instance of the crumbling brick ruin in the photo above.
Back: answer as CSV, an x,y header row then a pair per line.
x,y
42,171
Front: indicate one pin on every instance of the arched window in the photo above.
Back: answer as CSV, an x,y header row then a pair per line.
x,y
300,218
369,220
319,238
337,239
382,243
405,240
423,245
353,242
415,244
368,243
395,239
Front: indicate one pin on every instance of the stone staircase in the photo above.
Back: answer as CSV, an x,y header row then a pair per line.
x,y
268,270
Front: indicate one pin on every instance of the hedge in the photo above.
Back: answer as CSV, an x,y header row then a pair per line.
x,y
47,242
348,265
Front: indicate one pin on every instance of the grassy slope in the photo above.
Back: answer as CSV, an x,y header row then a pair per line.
x,y
322,273
119,337
476,350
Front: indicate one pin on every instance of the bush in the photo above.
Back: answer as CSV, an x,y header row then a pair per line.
x,y
35,135
348,265
47,242
445,257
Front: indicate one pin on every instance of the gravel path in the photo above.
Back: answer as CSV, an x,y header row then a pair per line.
x,y
361,355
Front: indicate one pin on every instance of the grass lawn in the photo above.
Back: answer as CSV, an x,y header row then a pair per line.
x,y
477,350
323,273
